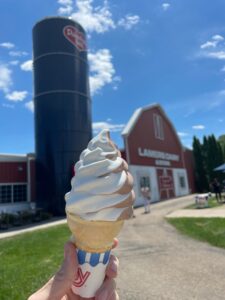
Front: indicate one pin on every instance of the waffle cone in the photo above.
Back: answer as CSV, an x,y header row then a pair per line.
x,y
93,236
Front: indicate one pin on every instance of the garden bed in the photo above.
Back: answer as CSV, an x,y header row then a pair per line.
x,y
21,218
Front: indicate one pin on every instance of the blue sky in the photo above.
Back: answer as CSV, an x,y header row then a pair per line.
x,y
140,52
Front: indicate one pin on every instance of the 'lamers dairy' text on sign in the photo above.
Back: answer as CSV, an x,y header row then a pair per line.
x,y
157,154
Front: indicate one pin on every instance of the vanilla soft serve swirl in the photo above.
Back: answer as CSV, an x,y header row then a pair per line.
x,y
102,186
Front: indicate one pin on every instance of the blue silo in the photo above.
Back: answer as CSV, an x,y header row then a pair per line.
x,y
62,106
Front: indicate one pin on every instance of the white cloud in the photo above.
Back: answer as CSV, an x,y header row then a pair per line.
x,y
166,6
98,19
116,81
217,37
198,127
98,126
182,134
14,62
6,105
65,2
223,69
215,43
101,69
7,45
30,105
209,44
129,21
66,8
16,96
18,53
217,54
5,78
27,65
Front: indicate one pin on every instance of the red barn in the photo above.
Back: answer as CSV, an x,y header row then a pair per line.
x,y
156,156
17,182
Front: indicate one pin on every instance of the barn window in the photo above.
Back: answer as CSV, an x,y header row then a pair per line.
x,y
5,193
182,182
158,127
13,193
20,193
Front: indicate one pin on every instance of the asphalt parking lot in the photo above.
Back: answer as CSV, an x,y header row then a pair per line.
x,y
156,262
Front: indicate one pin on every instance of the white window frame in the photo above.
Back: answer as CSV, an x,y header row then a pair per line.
x,y
158,127
12,191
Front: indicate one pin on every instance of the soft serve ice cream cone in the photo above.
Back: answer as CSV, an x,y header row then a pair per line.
x,y
100,200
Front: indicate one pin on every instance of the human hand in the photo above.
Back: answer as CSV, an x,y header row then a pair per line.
x,y
59,286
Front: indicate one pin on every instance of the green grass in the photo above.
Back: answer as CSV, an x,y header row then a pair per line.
x,y
212,203
210,230
28,260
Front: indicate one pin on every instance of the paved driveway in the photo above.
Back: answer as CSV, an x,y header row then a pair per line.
x,y
156,262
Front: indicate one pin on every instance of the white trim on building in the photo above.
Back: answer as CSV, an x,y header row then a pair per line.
x,y
180,182
4,157
142,171
12,197
134,118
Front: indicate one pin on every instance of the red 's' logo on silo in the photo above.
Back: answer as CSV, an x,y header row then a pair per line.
x,y
76,37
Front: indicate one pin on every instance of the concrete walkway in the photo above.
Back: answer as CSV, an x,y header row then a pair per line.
x,y
216,212
159,263
12,231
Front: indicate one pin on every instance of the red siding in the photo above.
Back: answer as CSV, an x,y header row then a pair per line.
x,y
13,172
143,136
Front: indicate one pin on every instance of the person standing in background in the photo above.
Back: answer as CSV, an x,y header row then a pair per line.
x,y
145,191
217,190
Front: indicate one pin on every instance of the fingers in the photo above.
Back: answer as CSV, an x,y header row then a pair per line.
x,y
107,290
115,243
71,296
114,296
112,268
63,279
60,284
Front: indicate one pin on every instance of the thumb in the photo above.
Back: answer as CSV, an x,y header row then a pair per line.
x,y
63,279
60,284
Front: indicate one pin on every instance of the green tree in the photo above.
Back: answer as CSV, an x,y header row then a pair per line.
x,y
200,171
221,140
214,158
205,151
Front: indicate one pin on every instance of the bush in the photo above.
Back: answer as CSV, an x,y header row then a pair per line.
x,y
6,220
26,216
22,218
45,215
